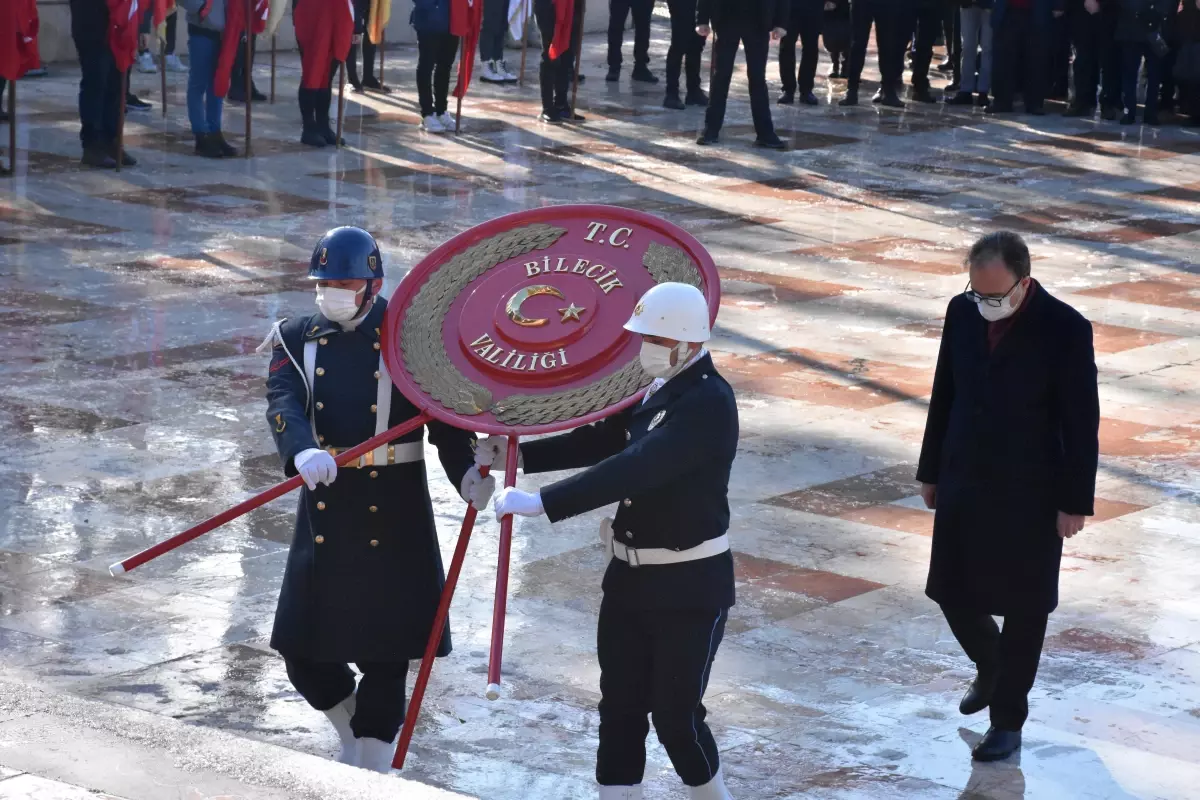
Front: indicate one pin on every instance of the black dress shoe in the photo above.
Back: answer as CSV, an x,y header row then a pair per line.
x,y
1110,113
256,95
614,74
921,94
135,103
997,745
982,100
330,137
1037,111
126,159
696,97
1150,118
978,695
551,116
707,138
997,108
960,99
567,115
97,157
225,148
786,99
1079,111
892,100
207,147
643,75
672,101
851,98
773,143
809,99
313,137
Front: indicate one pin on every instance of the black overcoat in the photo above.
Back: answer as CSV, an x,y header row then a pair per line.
x,y
364,573
666,463
1012,438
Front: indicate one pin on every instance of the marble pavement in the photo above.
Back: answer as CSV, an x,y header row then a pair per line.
x,y
131,406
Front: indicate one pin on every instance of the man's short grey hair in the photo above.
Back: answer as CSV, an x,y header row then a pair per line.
x,y
1004,245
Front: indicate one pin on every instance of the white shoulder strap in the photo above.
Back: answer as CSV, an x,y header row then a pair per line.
x,y
383,408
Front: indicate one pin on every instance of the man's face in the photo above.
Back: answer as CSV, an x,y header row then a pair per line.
x,y
671,343
355,286
994,279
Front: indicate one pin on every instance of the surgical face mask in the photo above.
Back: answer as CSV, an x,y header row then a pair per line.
x,y
338,305
656,359
995,309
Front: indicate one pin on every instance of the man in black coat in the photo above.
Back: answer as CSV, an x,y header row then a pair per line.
x,y
618,12
753,23
684,54
1009,463
804,24
364,574
889,18
669,583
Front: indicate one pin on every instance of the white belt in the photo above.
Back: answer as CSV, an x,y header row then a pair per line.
x,y
656,556
403,453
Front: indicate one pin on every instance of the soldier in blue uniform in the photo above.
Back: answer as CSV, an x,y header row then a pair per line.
x,y
669,584
364,573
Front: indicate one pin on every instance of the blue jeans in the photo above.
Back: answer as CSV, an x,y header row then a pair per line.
x,y
204,107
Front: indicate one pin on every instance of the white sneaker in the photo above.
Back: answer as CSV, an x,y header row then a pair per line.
x,y
432,124
491,73
713,790
376,755
145,63
175,65
447,121
508,75
621,792
339,716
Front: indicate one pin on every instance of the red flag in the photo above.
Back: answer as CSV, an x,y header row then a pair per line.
x,y
465,18
18,39
231,38
564,18
123,23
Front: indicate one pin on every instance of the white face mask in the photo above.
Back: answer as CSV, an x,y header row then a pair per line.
x,y
656,359
338,305
1004,310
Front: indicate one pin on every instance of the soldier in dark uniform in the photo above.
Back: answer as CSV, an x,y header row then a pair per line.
x,y
669,584
364,574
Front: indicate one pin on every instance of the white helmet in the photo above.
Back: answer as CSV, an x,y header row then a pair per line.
x,y
674,311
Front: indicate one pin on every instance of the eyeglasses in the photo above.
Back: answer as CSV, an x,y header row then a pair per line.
x,y
989,300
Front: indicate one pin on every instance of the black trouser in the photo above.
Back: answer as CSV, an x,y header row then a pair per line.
x,y
368,50
757,41
491,32
1060,56
686,46
100,92
315,103
380,704
435,57
1132,55
952,31
1020,46
926,19
1096,57
655,663
1010,657
618,11
555,75
890,36
804,23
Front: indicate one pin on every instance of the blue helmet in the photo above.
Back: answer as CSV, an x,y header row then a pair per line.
x,y
346,253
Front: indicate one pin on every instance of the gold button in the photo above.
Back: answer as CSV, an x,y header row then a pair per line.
x,y
628,436
321,405
320,370
320,539
322,340
321,506
378,346
627,502
373,509
374,408
629,534
374,543
705,377
376,374
321,439
374,473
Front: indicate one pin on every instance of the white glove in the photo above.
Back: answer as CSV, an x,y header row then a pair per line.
x,y
511,500
315,466
476,489
493,452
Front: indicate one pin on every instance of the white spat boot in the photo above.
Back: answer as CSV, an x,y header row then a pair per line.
x,y
376,755
620,793
340,716
713,790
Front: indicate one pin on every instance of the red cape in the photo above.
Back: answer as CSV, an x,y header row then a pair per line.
x,y
231,39
324,30
18,39
564,18
466,16
124,17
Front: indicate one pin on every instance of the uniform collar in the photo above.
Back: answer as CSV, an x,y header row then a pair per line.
x,y
369,326
700,365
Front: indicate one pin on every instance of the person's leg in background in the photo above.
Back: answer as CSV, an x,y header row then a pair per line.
x,y
202,50
447,49
1084,28
618,12
1039,39
1058,57
757,45
643,12
1154,65
861,19
787,54
352,67
547,72
725,49
929,23
952,33
811,15
891,34
1005,62
969,25
986,58
491,42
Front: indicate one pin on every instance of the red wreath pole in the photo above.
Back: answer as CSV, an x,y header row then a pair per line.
x,y
578,54
162,61
435,634
278,490
121,119
12,127
525,19
272,69
382,47
249,70
498,610
341,100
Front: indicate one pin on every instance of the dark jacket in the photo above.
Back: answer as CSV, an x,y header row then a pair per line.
x,y
766,14
362,13
1043,11
667,463
364,573
1011,439
1139,20
89,20
430,16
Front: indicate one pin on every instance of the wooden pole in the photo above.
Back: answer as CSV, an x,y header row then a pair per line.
x,y
341,99
382,47
12,127
525,16
582,4
121,120
272,69
249,69
162,63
